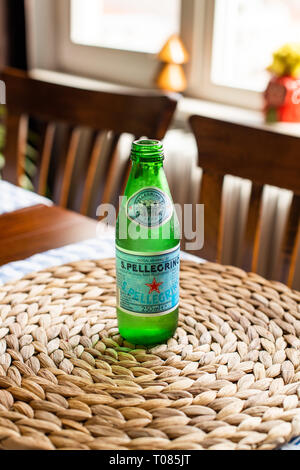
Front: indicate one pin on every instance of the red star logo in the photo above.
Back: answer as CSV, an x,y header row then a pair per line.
x,y
154,287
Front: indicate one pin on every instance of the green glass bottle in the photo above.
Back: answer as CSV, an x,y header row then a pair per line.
x,y
147,251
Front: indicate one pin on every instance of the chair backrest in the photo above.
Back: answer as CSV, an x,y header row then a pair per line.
x,y
265,158
140,113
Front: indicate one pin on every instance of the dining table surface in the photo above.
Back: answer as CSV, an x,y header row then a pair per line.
x,y
35,234
39,228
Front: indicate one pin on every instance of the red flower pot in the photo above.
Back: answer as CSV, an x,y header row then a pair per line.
x,y
282,99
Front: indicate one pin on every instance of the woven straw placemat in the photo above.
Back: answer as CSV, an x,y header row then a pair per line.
x,y
229,379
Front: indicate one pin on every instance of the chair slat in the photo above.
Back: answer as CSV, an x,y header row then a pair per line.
x,y
211,197
15,147
23,135
113,163
294,257
47,139
97,144
70,161
250,247
290,242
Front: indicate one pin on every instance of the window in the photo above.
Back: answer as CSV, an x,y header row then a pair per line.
x,y
245,35
114,41
133,25
230,41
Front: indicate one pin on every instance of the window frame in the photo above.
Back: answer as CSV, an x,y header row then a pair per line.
x,y
48,24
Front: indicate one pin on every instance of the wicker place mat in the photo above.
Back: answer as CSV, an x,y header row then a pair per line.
x,y
229,379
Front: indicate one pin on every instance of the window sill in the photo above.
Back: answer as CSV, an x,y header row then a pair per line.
x,y
186,106
63,78
247,117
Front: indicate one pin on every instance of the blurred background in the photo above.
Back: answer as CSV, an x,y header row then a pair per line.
x,y
212,55
230,42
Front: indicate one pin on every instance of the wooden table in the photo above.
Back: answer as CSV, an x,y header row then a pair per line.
x,y
39,228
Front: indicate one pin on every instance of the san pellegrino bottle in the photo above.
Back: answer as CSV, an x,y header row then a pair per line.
x,y
147,251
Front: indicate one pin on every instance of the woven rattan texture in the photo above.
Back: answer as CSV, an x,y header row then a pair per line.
x,y
229,379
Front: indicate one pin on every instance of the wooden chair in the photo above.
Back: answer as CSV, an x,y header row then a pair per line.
x,y
140,114
264,157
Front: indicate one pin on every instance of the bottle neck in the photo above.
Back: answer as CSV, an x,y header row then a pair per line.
x,y
145,166
147,162
142,169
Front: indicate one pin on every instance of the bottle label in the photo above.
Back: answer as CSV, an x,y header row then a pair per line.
x,y
149,207
148,284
